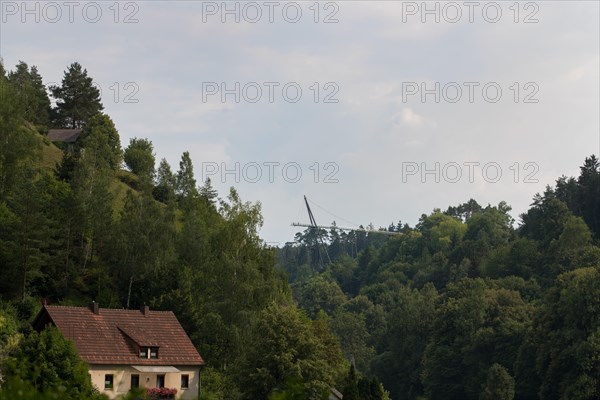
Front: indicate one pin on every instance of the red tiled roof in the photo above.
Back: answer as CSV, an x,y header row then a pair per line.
x,y
113,336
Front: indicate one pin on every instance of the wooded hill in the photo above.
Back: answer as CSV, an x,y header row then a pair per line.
x,y
461,306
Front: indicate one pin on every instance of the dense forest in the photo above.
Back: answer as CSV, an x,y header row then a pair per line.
x,y
467,304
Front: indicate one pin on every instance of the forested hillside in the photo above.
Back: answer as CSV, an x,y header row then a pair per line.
x,y
461,306
75,227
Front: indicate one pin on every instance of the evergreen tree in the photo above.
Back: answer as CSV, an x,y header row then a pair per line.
x,y
533,314
2,70
31,88
29,201
42,101
350,391
546,218
589,193
166,181
65,169
356,388
77,99
186,183
19,146
208,193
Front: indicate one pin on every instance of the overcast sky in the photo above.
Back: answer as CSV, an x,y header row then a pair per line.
x,y
359,97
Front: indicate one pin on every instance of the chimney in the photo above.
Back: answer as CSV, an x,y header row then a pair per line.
x,y
145,310
95,307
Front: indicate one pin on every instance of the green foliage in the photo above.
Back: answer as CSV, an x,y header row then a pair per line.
x,y
28,83
355,323
64,170
286,347
166,182
101,127
208,193
18,389
351,385
476,326
9,337
318,293
520,258
564,337
130,179
185,185
499,385
441,231
49,363
452,308
28,202
135,394
91,190
587,194
77,99
356,388
411,321
546,219
142,247
139,158
443,345
215,385
21,146
573,248
293,390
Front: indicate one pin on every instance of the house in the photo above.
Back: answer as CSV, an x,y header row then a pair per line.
x,y
67,136
129,348
64,135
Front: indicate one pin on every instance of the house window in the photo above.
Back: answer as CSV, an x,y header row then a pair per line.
x,y
135,381
185,381
160,381
108,381
148,352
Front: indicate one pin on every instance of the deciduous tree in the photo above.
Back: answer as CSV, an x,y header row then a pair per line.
x,y
139,158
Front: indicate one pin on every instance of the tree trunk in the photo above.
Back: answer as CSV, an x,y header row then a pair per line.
x,y
129,291
25,265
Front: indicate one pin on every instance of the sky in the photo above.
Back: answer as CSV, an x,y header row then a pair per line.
x,y
377,111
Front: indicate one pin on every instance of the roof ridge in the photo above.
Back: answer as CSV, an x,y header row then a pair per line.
x,y
110,309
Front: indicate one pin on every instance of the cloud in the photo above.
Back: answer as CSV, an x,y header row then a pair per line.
x,y
409,117
587,70
370,132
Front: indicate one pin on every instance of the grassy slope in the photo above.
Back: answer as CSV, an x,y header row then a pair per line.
x,y
51,155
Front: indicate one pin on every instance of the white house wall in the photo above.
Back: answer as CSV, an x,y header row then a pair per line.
x,y
122,380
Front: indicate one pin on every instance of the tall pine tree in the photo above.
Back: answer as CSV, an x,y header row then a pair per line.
x,y
77,99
